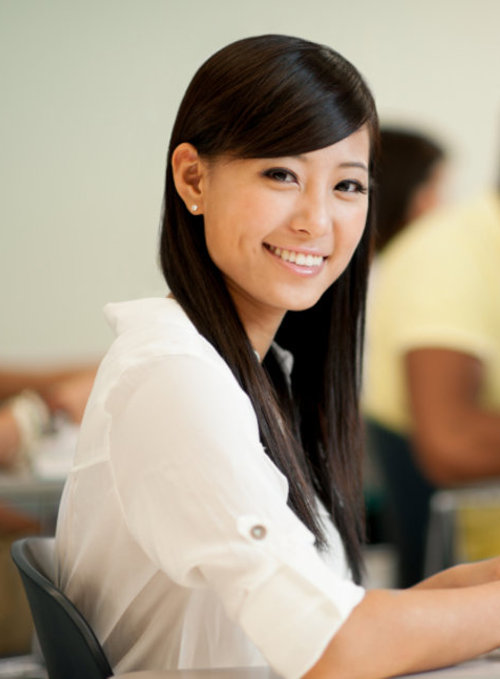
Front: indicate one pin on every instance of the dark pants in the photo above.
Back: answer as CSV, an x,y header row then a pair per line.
x,y
408,496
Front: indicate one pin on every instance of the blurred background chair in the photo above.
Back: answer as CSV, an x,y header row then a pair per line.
x,y
464,526
68,644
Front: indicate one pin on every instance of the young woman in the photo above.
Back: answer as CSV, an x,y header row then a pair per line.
x,y
213,516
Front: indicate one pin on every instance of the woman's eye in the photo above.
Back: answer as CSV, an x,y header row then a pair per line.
x,y
351,186
280,174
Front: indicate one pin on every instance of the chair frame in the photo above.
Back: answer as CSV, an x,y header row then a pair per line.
x,y
39,587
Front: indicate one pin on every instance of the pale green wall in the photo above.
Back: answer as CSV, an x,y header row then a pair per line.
x,y
88,92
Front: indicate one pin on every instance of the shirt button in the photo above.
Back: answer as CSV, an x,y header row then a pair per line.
x,y
258,532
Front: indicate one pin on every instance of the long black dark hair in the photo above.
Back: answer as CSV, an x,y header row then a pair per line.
x,y
270,96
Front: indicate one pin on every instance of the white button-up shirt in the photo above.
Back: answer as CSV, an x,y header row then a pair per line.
x,y
174,535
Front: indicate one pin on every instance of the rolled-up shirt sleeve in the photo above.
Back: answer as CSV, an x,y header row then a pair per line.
x,y
209,508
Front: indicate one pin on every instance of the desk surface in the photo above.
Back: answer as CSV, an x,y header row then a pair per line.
x,y
481,668
226,673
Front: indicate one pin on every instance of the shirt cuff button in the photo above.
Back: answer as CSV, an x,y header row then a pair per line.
x,y
258,532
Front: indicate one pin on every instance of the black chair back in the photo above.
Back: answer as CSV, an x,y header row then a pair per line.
x,y
69,646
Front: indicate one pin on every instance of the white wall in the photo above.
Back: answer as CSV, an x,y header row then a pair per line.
x,y
89,89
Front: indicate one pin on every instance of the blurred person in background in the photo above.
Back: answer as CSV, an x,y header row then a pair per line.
x,y
411,182
432,385
28,401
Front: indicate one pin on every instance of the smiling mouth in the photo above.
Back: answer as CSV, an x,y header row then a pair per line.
x,y
298,258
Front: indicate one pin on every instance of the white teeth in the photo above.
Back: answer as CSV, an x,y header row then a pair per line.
x,y
297,257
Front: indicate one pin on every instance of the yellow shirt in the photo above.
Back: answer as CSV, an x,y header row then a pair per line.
x,y
436,285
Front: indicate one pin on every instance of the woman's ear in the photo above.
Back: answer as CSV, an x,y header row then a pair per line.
x,y
187,170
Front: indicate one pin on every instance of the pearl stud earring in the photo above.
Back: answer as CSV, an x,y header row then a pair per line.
x,y
194,207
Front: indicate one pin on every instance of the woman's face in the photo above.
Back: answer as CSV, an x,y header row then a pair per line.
x,y
282,230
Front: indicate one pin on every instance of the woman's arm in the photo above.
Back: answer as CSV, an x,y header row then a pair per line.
x,y
398,632
10,436
464,575
455,439
12,382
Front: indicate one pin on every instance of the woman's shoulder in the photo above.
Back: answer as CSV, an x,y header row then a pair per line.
x,y
152,335
154,327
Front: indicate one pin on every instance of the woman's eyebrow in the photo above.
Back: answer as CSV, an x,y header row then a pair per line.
x,y
354,163
362,166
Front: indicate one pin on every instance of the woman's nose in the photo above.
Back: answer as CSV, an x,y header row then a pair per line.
x,y
312,216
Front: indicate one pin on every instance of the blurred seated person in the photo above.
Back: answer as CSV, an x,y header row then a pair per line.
x,y
28,402
432,385
411,183
29,399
